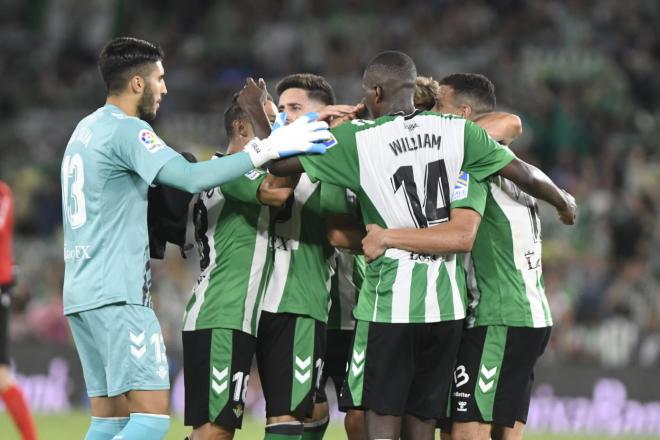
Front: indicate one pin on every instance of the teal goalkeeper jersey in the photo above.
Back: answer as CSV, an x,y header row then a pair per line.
x,y
109,163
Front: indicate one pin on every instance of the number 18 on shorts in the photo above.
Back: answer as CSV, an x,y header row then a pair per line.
x,y
216,372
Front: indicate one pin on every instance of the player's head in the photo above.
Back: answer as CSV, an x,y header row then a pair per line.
x,y
133,68
237,124
466,94
302,93
389,82
426,92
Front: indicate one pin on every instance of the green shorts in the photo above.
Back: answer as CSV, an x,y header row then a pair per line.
x,y
121,349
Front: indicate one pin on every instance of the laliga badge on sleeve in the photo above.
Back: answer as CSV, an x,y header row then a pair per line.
x,y
461,188
330,142
253,174
150,141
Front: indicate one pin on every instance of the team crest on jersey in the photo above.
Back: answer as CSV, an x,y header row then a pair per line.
x,y
151,142
253,174
330,142
461,188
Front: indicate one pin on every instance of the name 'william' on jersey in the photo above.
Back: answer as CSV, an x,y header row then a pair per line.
x,y
403,169
107,168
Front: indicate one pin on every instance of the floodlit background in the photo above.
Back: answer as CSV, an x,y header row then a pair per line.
x,y
583,75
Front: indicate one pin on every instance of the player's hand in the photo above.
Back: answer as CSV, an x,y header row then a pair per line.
x,y
568,212
373,244
252,94
335,115
306,135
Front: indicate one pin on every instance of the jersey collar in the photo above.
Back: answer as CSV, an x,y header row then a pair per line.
x,y
407,116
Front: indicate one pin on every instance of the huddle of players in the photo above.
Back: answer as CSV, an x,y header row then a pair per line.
x,y
267,276
269,271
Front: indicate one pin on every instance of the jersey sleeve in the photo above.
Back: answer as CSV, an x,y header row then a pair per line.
x,y
140,150
245,188
483,156
339,165
334,200
470,193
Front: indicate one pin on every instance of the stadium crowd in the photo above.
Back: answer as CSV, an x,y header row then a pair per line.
x,y
579,73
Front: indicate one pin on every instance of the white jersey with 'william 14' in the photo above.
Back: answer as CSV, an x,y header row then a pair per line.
x,y
404,170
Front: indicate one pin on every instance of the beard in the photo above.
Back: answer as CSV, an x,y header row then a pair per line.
x,y
147,105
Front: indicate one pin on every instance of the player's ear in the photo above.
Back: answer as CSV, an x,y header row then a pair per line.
x,y
136,84
379,94
242,128
466,111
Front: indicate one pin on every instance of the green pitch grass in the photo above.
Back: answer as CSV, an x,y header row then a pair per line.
x,y
72,426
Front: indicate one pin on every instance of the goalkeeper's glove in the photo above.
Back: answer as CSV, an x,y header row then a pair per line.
x,y
303,136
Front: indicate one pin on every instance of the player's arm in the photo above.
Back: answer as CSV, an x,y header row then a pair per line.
x,y
295,138
345,232
340,164
456,235
286,167
468,203
485,157
537,184
501,126
274,191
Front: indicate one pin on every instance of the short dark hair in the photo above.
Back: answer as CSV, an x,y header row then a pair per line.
x,y
394,67
316,86
475,87
234,113
124,57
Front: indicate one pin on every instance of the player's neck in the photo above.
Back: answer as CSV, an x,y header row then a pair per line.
x,y
407,106
237,144
125,105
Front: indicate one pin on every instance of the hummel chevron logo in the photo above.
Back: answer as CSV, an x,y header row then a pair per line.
x,y
220,375
302,373
302,378
357,363
219,380
137,344
303,364
138,352
488,374
136,339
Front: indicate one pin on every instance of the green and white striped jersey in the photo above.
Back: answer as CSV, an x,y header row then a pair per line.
x,y
401,168
302,257
231,228
504,271
344,289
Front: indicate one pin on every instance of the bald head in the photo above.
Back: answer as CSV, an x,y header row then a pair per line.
x,y
389,83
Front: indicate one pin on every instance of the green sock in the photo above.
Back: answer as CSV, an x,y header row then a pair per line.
x,y
284,431
315,430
